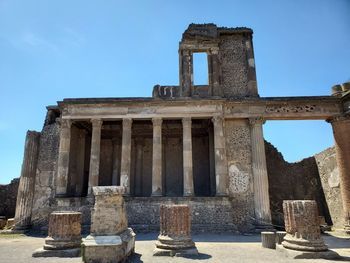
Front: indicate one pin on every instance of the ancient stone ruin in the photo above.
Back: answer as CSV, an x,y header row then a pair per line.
x,y
64,237
175,232
197,145
110,239
303,238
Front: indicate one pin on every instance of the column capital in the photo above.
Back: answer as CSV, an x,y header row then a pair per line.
x,y
157,121
338,118
96,123
217,119
127,122
186,121
64,123
256,121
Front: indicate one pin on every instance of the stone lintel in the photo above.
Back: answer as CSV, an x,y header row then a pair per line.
x,y
110,190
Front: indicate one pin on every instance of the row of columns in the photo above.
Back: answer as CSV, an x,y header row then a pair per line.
x,y
221,173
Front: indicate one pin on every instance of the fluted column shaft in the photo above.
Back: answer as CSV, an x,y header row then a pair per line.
x,y
63,157
157,157
341,132
221,173
187,157
27,181
261,183
126,156
95,154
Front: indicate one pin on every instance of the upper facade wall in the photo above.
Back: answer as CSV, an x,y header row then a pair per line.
x,y
231,67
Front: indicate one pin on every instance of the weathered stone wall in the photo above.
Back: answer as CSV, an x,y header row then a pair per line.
x,y
8,197
293,181
329,174
214,214
46,171
238,151
234,67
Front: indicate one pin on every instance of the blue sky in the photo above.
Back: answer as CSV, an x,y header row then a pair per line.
x,y
50,50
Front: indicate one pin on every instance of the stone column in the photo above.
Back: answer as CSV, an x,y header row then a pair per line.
x,y
341,132
64,235
186,72
261,183
126,156
221,173
175,231
187,156
95,154
302,226
157,157
63,158
26,186
116,162
214,72
138,166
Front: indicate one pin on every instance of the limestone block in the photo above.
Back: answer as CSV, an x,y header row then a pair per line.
x,y
279,236
110,241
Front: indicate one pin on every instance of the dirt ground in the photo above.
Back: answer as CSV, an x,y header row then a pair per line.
x,y
211,247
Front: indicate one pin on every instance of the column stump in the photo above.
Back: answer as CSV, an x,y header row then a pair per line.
x,y
64,236
280,236
303,238
175,232
268,240
110,239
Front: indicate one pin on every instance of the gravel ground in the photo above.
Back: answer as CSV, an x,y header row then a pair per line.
x,y
212,248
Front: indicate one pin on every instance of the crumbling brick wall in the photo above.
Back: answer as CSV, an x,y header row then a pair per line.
x,y
8,197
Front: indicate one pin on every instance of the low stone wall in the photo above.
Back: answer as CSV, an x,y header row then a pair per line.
x,y
8,197
214,214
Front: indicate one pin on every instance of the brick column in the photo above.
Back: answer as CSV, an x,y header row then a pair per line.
x,y
221,173
116,162
157,157
341,132
126,156
26,186
95,154
261,183
214,72
187,156
63,157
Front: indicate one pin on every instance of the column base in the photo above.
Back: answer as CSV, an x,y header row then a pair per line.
x,y
295,254
188,194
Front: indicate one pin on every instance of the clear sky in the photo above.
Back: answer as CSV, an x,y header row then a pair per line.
x,y
50,50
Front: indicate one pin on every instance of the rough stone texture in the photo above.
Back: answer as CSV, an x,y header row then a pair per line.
x,y
329,174
64,230
302,226
46,170
175,231
209,214
303,183
238,150
8,197
110,241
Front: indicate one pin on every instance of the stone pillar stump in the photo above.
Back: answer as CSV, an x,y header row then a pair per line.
x,y
175,231
303,238
110,239
64,236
